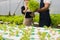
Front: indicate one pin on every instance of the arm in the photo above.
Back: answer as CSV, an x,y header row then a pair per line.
x,y
46,7
26,6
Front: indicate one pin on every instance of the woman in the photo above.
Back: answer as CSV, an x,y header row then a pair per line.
x,y
28,20
44,13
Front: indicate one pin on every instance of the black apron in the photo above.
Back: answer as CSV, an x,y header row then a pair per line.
x,y
44,18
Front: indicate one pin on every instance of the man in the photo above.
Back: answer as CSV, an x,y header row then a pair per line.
x,y
44,13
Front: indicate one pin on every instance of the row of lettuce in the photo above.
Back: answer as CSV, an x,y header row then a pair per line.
x,y
55,18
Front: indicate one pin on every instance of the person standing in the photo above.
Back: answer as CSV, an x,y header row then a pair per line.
x,y
28,20
44,16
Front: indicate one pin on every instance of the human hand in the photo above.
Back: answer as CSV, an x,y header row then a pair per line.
x,y
32,14
24,11
38,10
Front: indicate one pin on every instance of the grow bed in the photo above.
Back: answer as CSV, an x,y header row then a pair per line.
x,y
28,33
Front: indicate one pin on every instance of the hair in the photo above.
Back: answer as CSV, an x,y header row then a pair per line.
x,y
22,8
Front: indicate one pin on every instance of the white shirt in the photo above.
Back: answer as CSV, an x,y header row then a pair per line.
x,y
45,1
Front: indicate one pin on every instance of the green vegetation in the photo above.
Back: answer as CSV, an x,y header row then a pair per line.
x,y
27,32
33,5
42,35
1,37
12,19
55,18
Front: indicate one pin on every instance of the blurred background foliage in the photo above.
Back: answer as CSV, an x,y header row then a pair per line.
x,y
55,18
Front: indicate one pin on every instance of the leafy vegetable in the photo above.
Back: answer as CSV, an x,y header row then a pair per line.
x,y
33,5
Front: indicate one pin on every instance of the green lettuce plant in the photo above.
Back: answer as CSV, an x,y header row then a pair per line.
x,y
33,5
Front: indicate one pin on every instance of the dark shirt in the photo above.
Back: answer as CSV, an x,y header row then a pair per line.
x,y
28,15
